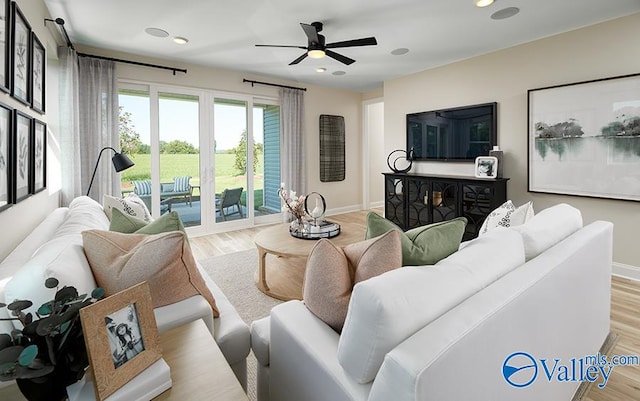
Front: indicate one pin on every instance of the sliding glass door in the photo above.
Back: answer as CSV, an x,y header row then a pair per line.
x,y
213,159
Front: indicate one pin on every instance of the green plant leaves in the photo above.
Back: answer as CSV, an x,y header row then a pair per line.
x,y
19,305
98,293
10,354
66,294
5,341
45,309
51,282
28,355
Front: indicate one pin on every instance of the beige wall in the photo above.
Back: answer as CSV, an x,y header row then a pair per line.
x,y
604,50
341,196
17,221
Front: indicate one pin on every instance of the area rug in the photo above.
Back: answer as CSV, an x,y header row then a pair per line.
x,y
233,273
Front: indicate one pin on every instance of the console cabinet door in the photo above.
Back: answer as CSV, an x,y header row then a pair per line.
x,y
418,213
477,203
444,195
394,202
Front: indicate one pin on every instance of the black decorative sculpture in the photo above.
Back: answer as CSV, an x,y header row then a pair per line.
x,y
401,153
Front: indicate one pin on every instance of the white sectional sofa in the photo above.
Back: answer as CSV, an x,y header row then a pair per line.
x,y
54,248
444,332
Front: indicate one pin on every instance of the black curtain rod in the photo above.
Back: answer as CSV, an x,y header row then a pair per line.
x,y
270,84
119,60
60,23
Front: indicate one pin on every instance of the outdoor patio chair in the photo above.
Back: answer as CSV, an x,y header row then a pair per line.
x,y
229,198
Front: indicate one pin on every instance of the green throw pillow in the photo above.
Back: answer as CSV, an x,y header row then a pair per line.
x,y
424,245
124,223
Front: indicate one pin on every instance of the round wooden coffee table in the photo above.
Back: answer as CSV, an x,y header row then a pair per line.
x,y
288,257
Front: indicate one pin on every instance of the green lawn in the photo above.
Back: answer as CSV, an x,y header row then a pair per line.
x,y
175,165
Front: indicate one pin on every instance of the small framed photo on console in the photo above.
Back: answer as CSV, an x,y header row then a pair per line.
x,y
486,167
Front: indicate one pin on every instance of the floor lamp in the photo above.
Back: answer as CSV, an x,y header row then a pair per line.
x,y
120,162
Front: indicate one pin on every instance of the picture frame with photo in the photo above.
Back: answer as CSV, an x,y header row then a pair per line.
x,y
20,54
22,156
486,167
38,74
6,157
121,336
5,45
39,148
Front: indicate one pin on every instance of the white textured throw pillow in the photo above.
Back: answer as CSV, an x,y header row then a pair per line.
x,y
131,205
507,215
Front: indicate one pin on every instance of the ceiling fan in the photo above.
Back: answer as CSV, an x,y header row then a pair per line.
x,y
316,47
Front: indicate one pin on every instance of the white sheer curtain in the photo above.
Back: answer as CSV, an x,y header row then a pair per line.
x,y
69,126
293,156
89,122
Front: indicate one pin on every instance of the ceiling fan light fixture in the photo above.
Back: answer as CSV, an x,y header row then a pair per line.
x,y
316,53
483,3
180,40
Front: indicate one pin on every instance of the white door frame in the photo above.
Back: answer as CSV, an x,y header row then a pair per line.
x,y
366,157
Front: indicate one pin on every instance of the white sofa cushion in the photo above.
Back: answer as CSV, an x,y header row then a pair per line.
x,y
62,258
386,310
549,227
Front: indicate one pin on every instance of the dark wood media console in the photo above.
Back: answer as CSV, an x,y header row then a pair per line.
x,y
413,200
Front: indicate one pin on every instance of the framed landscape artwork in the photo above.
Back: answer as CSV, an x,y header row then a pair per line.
x,y
21,36
39,167
6,187
584,138
21,155
5,47
38,71
121,336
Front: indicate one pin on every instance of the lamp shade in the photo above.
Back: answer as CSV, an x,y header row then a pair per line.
x,y
121,162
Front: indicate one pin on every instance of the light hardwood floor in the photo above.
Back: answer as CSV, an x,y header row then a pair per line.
x,y
624,383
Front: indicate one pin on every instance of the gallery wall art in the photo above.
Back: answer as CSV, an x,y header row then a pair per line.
x,y
584,138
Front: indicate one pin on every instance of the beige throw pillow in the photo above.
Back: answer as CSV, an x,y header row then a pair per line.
x,y
332,272
165,261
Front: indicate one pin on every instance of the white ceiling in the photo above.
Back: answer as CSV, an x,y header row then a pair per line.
x,y
223,33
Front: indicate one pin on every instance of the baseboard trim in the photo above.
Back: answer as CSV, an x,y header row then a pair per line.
x,y
345,209
626,271
374,205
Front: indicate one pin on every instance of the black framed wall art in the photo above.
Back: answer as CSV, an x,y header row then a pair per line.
x,y
584,138
39,148
38,74
5,45
21,54
22,155
6,158
332,148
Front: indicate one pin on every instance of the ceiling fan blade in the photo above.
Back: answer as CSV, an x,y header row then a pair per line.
x,y
311,32
295,47
339,57
299,59
371,41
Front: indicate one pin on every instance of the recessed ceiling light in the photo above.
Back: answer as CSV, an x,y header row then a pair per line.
x,y
180,40
400,51
157,32
483,3
321,69
505,13
338,73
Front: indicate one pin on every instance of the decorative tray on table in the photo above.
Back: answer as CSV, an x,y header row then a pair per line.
x,y
324,229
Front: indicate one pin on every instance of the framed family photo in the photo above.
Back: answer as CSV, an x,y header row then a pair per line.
x,y
22,155
486,167
39,158
5,45
584,138
38,72
6,158
121,336
21,54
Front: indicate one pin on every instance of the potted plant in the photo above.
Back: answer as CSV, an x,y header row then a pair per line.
x,y
49,353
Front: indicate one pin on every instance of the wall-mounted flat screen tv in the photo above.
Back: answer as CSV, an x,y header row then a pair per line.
x,y
455,134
